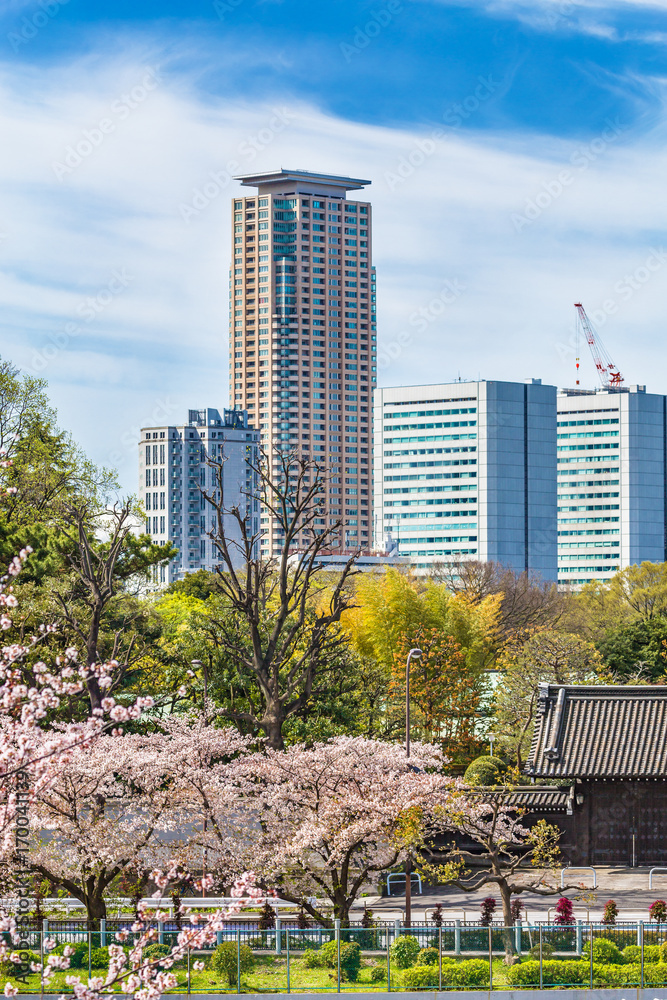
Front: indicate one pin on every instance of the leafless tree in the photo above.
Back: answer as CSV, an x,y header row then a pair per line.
x,y
284,611
528,603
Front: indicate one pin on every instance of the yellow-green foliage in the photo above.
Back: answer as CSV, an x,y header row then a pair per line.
x,y
390,608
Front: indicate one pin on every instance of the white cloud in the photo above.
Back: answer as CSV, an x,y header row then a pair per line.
x,y
158,342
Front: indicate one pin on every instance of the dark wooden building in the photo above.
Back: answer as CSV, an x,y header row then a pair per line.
x,y
607,749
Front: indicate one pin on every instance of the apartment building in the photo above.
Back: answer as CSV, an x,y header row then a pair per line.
x,y
173,470
612,481
303,340
467,470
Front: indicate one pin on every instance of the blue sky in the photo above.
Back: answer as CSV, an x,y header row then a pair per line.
x,y
516,152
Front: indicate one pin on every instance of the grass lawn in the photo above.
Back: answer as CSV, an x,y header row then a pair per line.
x,y
268,976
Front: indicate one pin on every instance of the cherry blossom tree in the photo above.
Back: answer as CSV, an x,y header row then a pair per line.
x,y
514,858
111,806
37,763
323,820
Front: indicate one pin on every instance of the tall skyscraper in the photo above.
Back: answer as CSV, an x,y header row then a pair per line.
x,y
467,471
302,351
173,470
612,481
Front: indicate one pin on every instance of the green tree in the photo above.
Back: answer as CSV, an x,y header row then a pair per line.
x,y
547,656
44,472
636,651
91,601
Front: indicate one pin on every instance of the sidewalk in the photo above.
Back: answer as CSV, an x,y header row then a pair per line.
x,y
627,886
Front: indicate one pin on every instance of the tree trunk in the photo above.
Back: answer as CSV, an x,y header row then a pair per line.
x,y
342,908
96,907
272,724
508,922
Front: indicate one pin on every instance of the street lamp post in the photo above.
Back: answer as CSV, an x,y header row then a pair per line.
x,y
414,654
195,664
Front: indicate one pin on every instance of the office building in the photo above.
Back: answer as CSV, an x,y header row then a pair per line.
x,y
302,350
467,471
173,470
611,481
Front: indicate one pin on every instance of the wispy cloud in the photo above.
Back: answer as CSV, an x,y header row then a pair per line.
x,y
449,219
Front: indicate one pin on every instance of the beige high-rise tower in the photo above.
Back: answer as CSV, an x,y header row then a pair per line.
x,y
303,338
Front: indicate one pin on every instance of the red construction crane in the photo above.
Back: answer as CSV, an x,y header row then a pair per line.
x,y
610,376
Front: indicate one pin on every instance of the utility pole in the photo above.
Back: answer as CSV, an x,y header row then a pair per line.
x,y
414,654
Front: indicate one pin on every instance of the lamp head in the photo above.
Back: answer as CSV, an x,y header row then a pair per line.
x,y
415,654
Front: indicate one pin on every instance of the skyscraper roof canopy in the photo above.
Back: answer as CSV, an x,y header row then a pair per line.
x,y
301,176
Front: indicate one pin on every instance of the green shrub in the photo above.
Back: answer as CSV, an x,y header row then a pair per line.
x,y
79,957
427,956
378,973
655,974
8,968
404,951
547,950
469,972
484,771
350,958
313,959
156,950
99,957
652,953
663,952
578,973
604,951
553,973
224,960
421,977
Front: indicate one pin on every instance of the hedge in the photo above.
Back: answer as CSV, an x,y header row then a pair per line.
x,y
578,974
470,972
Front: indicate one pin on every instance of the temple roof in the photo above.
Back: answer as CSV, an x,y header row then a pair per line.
x,y
599,732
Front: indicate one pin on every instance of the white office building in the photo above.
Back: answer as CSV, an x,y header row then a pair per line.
x,y
467,470
173,470
612,481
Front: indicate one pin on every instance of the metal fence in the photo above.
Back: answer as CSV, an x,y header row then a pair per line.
x,y
452,956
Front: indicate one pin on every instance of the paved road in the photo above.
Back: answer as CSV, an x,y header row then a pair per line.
x,y
627,886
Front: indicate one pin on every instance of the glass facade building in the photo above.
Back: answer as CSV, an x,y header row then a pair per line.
x,y
467,470
612,483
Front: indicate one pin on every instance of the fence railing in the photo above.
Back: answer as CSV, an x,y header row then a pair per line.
x,y
451,956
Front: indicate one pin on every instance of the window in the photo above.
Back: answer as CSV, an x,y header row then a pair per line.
x,y
162,454
148,501
148,477
154,454
155,525
162,525
148,454
161,501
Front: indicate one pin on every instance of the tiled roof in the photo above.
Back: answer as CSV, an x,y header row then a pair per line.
x,y
599,732
532,798
535,799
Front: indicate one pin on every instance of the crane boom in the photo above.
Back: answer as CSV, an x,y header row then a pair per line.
x,y
610,376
